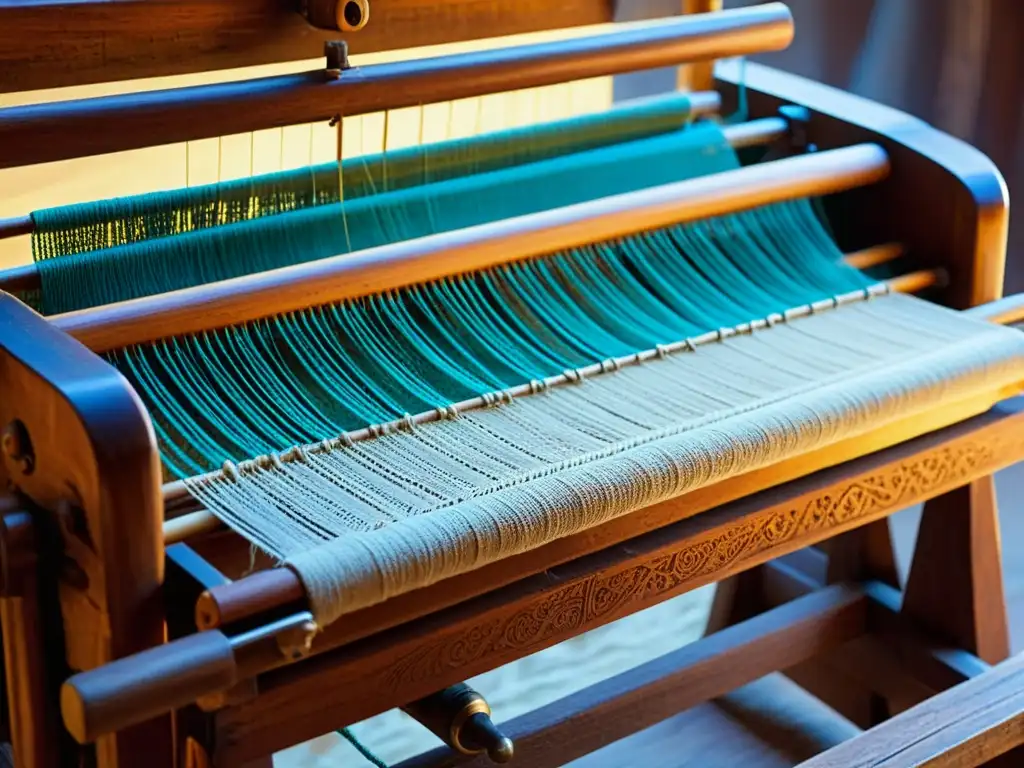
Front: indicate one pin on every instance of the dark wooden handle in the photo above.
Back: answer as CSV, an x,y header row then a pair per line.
x,y
138,688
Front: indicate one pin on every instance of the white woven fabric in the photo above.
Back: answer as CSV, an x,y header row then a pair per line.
x,y
362,523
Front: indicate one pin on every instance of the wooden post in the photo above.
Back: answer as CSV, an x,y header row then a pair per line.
x,y
699,76
955,585
864,553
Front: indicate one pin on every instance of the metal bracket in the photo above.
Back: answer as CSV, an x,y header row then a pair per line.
x,y
797,118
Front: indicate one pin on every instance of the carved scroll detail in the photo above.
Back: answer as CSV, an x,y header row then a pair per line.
x,y
596,599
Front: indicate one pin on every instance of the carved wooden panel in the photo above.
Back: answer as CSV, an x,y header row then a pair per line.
x,y
602,597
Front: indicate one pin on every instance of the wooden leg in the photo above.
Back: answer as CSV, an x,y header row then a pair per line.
x,y
955,586
736,599
864,553
33,656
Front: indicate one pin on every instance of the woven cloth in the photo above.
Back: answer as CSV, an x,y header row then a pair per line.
x,y
363,521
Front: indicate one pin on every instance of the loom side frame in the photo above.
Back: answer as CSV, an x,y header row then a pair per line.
x,y
961,217
89,465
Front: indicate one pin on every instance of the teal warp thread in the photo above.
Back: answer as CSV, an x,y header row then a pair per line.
x,y
350,737
121,221
260,388
92,278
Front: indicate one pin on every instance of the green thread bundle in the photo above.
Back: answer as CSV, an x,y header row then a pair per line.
x,y
91,278
122,221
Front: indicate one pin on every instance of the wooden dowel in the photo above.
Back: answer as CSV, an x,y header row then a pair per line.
x,y
915,282
21,225
257,593
64,130
375,270
753,133
1007,311
23,278
876,256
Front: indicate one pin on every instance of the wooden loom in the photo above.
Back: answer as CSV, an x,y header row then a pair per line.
x,y
100,562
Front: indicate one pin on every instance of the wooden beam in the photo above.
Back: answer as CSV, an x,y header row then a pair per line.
x,y
404,263
631,701
55,131
970,724
57,43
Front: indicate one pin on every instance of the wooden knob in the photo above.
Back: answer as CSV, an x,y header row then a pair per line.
x,y
344,15
138,688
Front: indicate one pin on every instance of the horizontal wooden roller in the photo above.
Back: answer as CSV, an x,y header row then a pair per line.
x,y
17,226
374,270
126,691
17,279
63,130
95,693
873,257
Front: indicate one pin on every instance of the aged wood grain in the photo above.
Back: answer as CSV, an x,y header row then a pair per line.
x,y
968,725
74,42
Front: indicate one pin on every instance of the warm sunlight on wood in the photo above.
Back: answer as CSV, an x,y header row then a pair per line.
x,y
231,157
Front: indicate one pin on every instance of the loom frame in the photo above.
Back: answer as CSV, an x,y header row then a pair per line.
x,y
166,38
70,396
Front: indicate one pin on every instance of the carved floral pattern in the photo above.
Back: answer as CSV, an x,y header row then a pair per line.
x,y
593,600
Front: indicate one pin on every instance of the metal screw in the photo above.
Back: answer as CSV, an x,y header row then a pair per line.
x,y
18,447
